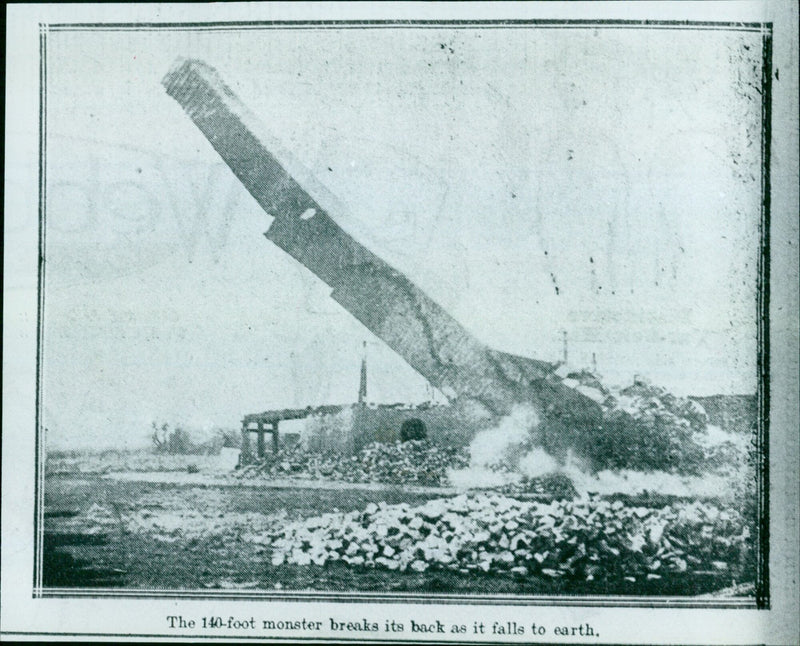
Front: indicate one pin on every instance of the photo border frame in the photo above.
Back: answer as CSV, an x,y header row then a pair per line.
x,y
762,312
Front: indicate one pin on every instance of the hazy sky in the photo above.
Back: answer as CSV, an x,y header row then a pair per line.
x,y
606,182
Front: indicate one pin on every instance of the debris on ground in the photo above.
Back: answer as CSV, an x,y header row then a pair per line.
x,y
415,462
589,538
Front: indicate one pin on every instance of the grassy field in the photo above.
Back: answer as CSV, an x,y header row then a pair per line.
x,y
139,535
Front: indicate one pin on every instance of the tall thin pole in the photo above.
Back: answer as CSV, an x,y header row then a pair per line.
x,y
564,334
362,388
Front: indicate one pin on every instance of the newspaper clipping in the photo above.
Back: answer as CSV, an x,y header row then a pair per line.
x,y
401,323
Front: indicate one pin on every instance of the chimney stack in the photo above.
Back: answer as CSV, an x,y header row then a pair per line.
x,y
362,388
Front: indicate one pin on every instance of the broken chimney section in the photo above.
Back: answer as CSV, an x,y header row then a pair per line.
x,y
379,296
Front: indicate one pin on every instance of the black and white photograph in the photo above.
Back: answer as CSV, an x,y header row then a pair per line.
x,y
402,311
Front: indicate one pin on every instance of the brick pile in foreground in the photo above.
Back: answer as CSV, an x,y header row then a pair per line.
x,y
588,538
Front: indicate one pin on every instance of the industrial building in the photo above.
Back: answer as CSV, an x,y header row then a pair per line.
x,y
350,427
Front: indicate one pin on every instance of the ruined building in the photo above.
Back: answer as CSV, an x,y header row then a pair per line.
x,y
348,428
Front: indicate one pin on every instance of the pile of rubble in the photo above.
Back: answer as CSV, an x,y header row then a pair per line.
x,y
642,401
646,427
589,538
416,462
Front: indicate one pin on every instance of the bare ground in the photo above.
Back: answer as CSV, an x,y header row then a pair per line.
x,y
135,534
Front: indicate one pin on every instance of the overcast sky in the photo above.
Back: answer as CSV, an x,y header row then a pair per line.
x,y
600,181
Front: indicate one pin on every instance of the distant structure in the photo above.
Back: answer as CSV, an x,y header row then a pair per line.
x,y
350,427
267,422
362,387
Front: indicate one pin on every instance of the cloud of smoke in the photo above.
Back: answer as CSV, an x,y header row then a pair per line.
x,y
476,477
538,462
719,483
496,445
638,482
493,452
495,461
